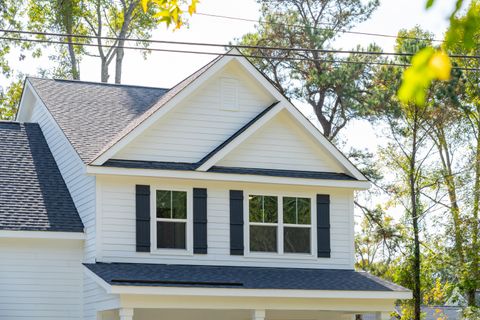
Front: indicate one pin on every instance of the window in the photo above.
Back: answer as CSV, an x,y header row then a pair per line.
x,y
280,224
296,222
263,218
171,219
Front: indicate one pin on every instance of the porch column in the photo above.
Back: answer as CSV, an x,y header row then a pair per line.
x,y
125,314
382,316
258,314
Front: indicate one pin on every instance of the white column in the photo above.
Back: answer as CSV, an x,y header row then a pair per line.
x,y
258,314
382,316
125,314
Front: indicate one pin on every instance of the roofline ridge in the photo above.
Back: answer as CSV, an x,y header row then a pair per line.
x,y
98,83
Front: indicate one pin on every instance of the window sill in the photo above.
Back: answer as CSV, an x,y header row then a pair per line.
x,y
171,252
287,256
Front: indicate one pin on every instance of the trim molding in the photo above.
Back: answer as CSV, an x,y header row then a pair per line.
x,y
214,176
42,235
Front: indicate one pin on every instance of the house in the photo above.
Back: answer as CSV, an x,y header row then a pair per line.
x,y
214,199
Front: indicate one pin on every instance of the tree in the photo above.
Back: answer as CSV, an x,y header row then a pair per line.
x,y
335,86
9,98
432,64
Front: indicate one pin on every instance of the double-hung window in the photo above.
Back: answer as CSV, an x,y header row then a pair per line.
x,y
296,225
280,224
263,218
171,219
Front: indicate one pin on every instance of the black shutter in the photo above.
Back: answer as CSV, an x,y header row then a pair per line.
x,y
142,211
323,225
236,222
199,220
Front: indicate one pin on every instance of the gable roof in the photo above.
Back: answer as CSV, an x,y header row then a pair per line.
x,y
92,114
33,195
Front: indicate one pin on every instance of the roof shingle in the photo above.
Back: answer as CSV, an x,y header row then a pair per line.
x,y
75,106
33,194
136,274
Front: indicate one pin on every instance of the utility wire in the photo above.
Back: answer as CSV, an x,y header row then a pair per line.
x,y
217,53
372,34
371,53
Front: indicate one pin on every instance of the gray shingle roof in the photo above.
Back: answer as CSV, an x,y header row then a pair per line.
x,y
92,114
33,195
132,274
158,165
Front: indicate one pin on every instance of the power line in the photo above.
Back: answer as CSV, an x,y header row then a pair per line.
x,y
372,34
217,53
371,53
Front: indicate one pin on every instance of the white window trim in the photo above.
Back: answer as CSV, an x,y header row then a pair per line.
x,y
280,254
153,225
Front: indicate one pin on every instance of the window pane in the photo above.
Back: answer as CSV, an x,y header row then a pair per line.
x,y
296,240
303,205
163,204
270,207
263,238
289,210
255,208
179,204
171,235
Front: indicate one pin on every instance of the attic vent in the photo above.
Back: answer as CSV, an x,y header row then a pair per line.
x,y
229,94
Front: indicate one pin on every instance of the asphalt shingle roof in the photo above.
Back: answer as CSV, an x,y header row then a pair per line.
x,y
133,274
92,114
33,195
158,165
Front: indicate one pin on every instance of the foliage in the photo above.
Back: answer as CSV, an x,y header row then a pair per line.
x,y
170,11
9,99
337,92
433,64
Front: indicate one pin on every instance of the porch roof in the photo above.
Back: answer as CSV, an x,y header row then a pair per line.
x,y
238,277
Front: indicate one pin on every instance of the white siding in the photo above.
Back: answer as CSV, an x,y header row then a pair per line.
x,y
199,124
81,186
95,298
40,279
117,228
280,144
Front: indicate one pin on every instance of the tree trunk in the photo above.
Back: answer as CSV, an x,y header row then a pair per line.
x,y
415,215
74,70
120,52
475,248
104,70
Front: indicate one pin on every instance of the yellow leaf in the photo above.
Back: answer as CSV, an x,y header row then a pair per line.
x,y
440,64
144,4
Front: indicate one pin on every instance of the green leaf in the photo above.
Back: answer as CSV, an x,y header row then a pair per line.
x,y
429,3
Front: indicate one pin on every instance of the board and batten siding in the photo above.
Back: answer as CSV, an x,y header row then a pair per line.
x,y
116,203
280,144
208,117
40,279
81,186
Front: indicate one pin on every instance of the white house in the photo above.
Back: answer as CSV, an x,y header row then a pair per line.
x,y
215,199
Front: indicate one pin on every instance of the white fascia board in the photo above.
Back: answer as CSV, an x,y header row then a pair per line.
x,y
215,176
314,132
217,66
260,293
242,137
42,235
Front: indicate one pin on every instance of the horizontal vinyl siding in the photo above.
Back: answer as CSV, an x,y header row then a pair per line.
x,y
117,205
279,144
199,124
40,279
81,186
95,298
